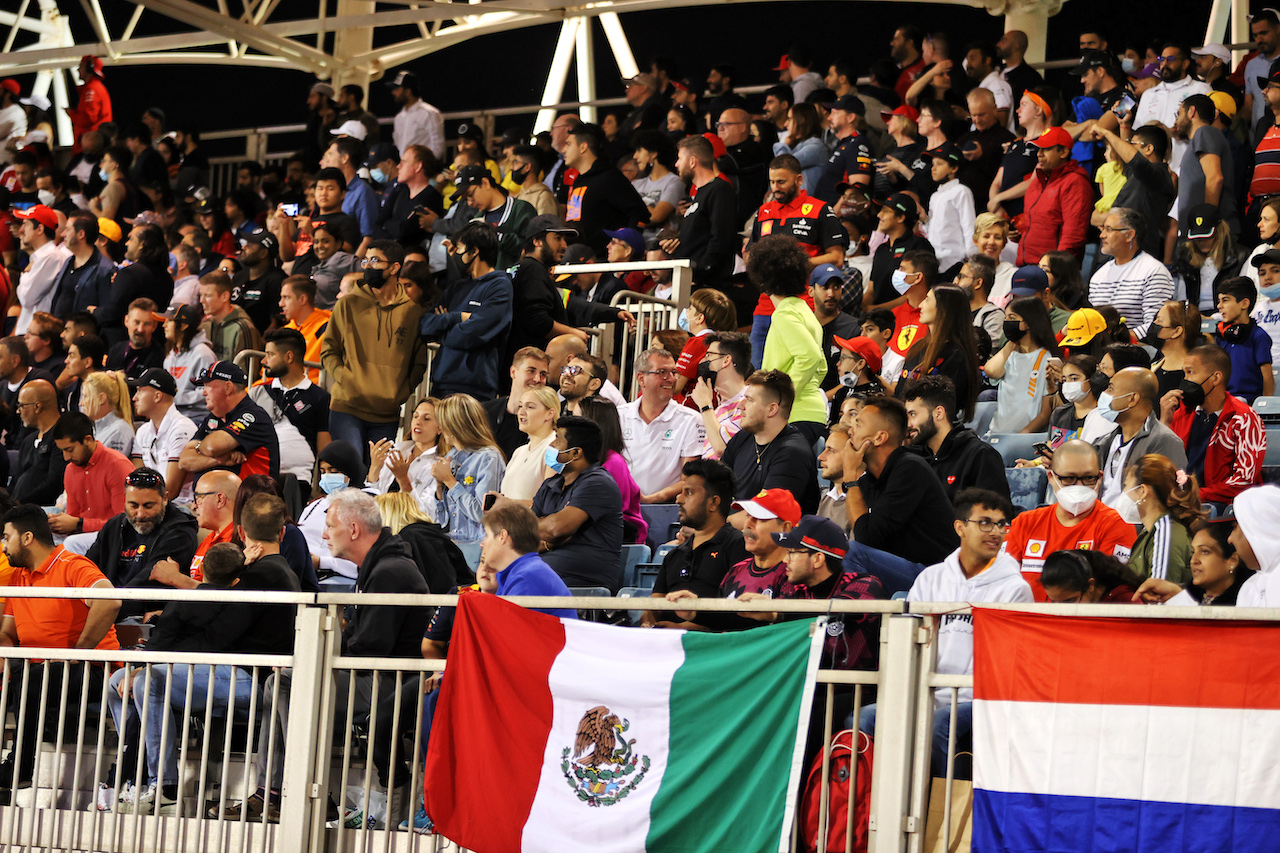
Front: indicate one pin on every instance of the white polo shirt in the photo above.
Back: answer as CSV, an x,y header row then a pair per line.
x,y
1000,88
157,448
655,450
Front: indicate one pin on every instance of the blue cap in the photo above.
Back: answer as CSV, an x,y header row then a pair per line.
x,y
1028,281
817,534
632,238
823,273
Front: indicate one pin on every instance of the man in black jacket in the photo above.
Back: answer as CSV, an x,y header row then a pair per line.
x,y
537,311
149,530
959,458
708,235
600,196
769,452
38,479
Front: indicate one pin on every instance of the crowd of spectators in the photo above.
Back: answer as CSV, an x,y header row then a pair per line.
x,y
894,281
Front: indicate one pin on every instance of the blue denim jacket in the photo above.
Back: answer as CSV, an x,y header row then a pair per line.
x,y
460,511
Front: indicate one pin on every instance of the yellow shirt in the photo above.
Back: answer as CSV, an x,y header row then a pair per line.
x,y
313,331
1110,179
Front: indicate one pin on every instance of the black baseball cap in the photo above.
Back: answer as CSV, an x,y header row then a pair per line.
x,y
815,533
404,78
1092,59
850,104
902,203
157,378
224,370
1202,221
467,130
266,240
545,223
471,174
380,152
187,315
946,151
1270,256
1273,76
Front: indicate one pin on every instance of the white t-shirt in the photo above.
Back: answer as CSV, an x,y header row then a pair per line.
x,y
420,478
157,448
1266,314
998,86
655,450
296,455
1021,391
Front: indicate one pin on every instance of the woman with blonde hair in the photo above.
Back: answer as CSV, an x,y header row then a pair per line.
x,y
1166,502
536,415
407,464
442,564
991,237
472,468
104,399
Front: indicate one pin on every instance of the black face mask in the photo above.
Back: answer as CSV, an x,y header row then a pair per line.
x,y
1152,337
705,372
518,175
1192,393
375,277
1013,330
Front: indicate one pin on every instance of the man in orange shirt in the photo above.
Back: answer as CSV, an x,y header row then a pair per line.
x,y
215,510
1077,521
53,623
298,305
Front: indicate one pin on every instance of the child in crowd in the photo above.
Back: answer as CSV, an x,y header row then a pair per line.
x,y
951,211
1266,311
879,326
1247,344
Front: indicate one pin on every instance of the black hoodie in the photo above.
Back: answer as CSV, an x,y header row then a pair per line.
x,y
381,630
175,536
965,461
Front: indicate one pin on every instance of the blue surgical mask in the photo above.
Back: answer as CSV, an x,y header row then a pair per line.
x,y
331,482
1129,65
1270,291
552,458
378,176
104,174
1108,413
683,322
900,282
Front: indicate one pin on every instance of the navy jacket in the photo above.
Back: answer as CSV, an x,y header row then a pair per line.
x,y
93,288
471,352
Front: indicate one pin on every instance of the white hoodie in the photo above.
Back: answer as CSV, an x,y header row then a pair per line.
x,y
1258,514
1001,582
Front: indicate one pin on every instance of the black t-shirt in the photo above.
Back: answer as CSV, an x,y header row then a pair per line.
x,y
506,429
1149,190
253,431
905,154
787,462
135,362
978,174
1018,163
259,297
345,225
397,214
888,256
701,569
844,326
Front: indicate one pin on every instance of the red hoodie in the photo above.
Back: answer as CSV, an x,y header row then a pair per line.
x,y
1233,460
1057,205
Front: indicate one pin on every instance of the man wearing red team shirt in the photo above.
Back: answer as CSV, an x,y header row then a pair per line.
x,y
94,106
238,435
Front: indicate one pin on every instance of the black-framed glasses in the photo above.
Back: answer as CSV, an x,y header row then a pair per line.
x,y
662,373
21,406
198,495
1082,479
142,479
986,525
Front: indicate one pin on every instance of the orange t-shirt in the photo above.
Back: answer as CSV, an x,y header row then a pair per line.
x,y
1038,533
55,623
224,535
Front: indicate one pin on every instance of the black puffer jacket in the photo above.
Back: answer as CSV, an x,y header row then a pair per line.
x,y
382,630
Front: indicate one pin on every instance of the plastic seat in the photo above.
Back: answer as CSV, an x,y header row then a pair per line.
x,y
1015,446
1268,408
660,518
632,556
1027,486
982,414
591,592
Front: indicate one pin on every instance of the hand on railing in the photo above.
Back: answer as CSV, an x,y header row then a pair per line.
x,y
758,615
628,318
1156,591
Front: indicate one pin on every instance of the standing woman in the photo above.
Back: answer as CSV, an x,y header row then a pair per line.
x,y
536,414
473,467
1166,502
408,464
104,399
949,350
117,199
1024,399
779,267
1175,331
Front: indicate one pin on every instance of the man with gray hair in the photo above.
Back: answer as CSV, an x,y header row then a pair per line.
x,y
661,435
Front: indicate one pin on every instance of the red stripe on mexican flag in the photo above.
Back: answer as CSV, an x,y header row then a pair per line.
x,y
560,735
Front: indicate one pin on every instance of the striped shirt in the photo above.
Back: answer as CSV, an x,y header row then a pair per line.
x,y
1137,289
1163,552
1266,168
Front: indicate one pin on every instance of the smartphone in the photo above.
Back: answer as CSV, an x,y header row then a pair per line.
x,y
1043,449
290,208
489,501
1124,105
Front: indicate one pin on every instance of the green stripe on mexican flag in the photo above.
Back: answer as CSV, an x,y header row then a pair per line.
x,y
554,734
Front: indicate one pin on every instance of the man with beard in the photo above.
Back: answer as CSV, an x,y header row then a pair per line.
x,y
69,623
708,235
770,453
711,546
144,349
93,481
720,90
851,161
321,114
292,400
959,458
147,275
417,123
744,161
1160,104
256,287
528,370
149,530
160,439
1205,170
826,287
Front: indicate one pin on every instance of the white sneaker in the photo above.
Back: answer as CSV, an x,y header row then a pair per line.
x,y
154,801
128,794
106,797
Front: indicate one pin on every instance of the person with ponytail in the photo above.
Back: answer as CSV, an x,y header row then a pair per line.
x,y
104,399
1166,502
1025,400
949,350
1087,577
1174,332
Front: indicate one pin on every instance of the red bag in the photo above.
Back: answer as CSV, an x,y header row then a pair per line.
x,y
839,770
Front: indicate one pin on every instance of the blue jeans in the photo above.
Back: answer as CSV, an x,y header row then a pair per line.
x,y
225,683
759,331
344,427
896,573
941,729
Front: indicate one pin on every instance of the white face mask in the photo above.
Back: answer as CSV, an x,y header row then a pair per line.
x,y
1076,500
1074,392
47,198
1128,508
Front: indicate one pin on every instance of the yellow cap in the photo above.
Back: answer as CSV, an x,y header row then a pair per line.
x,y
1225,104
110,229
1083,326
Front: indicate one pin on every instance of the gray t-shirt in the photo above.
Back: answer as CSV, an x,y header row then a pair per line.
x,y
1208,140
668,188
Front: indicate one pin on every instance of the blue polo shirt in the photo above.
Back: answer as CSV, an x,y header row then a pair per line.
x,y
530,575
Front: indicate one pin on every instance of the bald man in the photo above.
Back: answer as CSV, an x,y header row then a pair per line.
x,y
40,464
1079,520
1132,402
215,494
1012,48
746,160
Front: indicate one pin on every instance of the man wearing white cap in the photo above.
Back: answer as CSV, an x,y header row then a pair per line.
x,y
346,153
1213,63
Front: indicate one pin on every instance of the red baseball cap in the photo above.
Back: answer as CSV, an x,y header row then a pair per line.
x,y
717,144
1053,136
44,215
12,85
784,63
905,110
864,347
771,503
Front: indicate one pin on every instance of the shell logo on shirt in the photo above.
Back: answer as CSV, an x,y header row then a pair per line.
x,y
1035,547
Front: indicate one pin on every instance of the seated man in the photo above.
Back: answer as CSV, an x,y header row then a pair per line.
x,y
165,432
700,562
769,452
959,458
831,466
1079,519
85,354
528,370
897,507
661,435
54,623
580,509
93,481
38,477
149,530
765,568
979,571
215,499
238,435
1132,403
1224,437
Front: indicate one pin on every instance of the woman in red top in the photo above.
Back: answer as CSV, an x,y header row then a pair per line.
x,y
1088,577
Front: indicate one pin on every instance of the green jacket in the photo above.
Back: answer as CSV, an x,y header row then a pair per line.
x,y
794,346
1163,552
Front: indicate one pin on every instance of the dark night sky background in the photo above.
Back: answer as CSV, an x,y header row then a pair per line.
x,y
510,68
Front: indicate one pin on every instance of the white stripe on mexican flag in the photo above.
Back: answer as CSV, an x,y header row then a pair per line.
x,y
558,735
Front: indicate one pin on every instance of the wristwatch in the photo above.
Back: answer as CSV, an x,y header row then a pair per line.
x,y
705,409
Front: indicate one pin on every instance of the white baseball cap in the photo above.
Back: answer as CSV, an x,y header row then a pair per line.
x,y
1215,50
351,127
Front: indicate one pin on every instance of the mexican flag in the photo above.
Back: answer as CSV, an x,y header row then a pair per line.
x,y
555,734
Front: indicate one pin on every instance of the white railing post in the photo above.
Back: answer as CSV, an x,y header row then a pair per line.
x,y
681,287
309,731
895,714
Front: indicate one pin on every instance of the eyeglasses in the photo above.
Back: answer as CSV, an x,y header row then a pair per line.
x,y
1107,229
22,406
199,495
1083,479
986,525
663,373
571,370
142,479
710,355
374,263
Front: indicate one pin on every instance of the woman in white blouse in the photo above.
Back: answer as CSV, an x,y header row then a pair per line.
x,y
408,464
536,413
104,399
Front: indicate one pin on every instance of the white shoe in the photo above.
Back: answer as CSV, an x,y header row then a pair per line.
x,y
106,797
128,794
154,801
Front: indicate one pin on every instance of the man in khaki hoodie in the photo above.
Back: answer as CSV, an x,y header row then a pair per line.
x,y
372,351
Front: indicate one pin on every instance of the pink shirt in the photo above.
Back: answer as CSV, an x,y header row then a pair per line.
x,y
95,493
617,468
